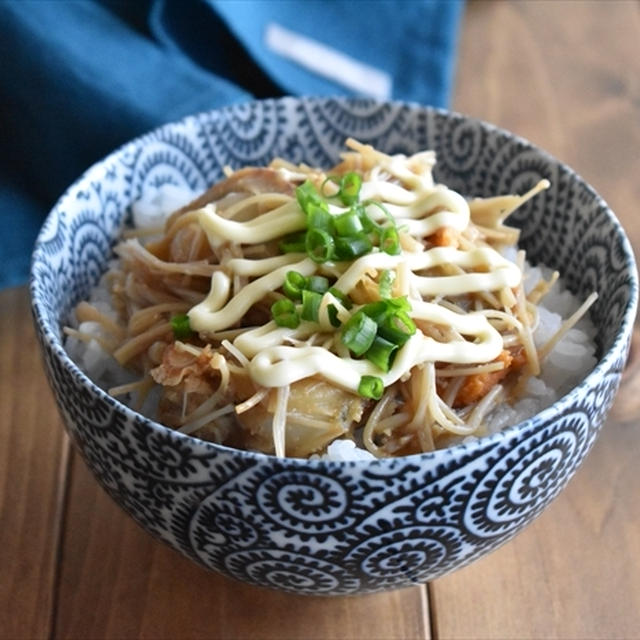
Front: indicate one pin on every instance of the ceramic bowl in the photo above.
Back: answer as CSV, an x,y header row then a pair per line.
x,y
318,527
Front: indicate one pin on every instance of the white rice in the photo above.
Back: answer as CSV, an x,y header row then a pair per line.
x,y
568,363
343,450
157,203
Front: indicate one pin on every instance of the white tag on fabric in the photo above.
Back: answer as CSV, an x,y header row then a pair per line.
x,y
328,62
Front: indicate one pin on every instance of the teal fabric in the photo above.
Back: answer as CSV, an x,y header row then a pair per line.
x,y
412,41
79,78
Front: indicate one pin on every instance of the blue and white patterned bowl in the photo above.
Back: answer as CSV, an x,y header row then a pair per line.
x,y
334,527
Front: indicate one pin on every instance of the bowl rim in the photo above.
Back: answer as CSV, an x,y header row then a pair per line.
x,y
619,345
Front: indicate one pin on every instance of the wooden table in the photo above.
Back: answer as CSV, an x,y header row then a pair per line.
x,y
564,74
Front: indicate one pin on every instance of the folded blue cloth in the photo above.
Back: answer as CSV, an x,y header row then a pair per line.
x,y
77,79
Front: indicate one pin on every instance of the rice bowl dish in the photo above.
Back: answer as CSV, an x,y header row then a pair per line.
x,y
250,318
353,523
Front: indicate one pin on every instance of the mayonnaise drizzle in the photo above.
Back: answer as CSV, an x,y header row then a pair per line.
x,y
500,271
420,208
275,366
217,312
267,226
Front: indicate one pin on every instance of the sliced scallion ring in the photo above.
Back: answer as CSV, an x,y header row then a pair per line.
x,y
381,353
371,387
310,305
359,332
319,245
285,314
181,327
294,284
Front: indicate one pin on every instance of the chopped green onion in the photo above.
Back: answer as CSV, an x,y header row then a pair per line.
x,y
380,309
368,225
306,194
381,353
390,241
377,311
293,243
392,319
318,217
371,387
319,284
385,283
359,332
310,305
284,313
346,236
397,327
319,245
332,312
181,327
399,304
348,224
350,184
350,247
288,320
294,284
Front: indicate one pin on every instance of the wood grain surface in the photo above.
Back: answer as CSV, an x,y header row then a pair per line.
x,y
565,75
